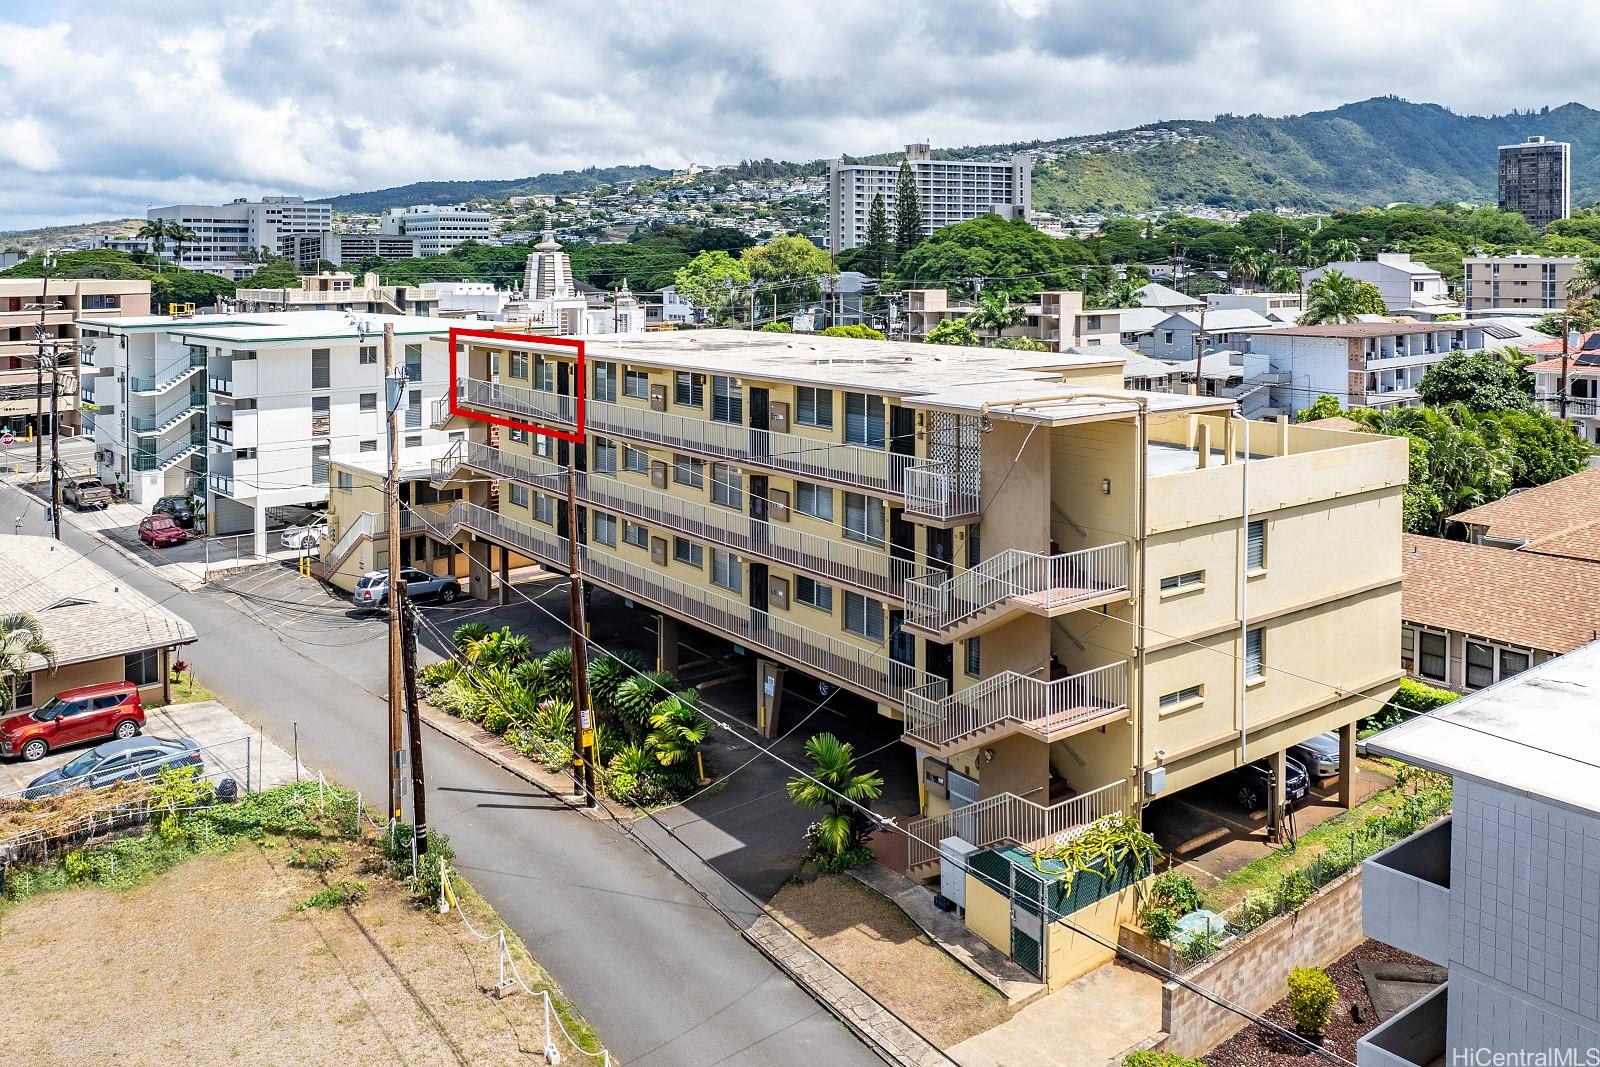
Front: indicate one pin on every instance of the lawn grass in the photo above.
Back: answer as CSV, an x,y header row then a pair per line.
x,y
186,690
1330,836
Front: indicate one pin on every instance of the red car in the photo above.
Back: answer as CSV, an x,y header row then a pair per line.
x,y
72,716
158,531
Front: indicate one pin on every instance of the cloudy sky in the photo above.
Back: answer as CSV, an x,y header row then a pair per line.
x,y
109,106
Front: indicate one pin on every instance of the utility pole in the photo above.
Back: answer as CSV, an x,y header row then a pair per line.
x,y
582,717
419,799
1561,399
394,385
55,446
1200,351
38,391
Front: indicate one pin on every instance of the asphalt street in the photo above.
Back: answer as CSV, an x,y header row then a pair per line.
x,y
661,976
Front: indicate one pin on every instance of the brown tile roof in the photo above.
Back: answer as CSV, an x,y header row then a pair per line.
x,y
1552,347
1521,598
1559,518
86,612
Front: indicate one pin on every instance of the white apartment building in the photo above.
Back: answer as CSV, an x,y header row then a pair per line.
x,y
439,229
948,191
225,234
1404,284
1364,364
247,408
1503,894
1582,408
309,249
341,291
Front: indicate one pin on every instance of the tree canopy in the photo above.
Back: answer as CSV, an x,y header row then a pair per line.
x,y
715,281
952,332
1014,258
788,268
1483,381
1336,297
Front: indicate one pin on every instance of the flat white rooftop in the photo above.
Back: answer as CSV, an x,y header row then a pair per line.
x,y
267,327
1537,732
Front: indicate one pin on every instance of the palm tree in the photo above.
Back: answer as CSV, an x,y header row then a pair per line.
x,y
1305,254
157,230
181,235
835,788
1243,264
1125,293
677,730
1585,278
21,639
995,313
1334,297
1341,250
1283,279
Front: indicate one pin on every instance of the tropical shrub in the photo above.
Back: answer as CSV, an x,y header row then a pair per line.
x,y
495,720
1176,891
558,673
1148,1058
468,634
677,730
1159,922
837,789
1311,998
637,698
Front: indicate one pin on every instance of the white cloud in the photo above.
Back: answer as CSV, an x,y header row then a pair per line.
x,y
107,108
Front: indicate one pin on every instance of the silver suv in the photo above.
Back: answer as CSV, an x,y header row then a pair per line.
x,y
372,588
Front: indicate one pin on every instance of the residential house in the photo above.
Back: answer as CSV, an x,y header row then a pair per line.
x,y
1136,323
102,628
1503,893
25,304
1364,364
1178,336
1057,318
247,408
1582,384
338,291
1559,518
1285,308
1033,569
1404,283
1475,615
1156,295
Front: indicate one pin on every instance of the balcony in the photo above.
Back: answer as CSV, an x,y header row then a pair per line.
x,y
221,484
862,670
833,558
1008,819
937,494
222,433
1413,1038
1405,894
222,386
537,407
1011,703
981,597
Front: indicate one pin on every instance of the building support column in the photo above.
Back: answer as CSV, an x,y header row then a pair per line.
x,y
505,577
667,644
259,515
769,696
1277,794
479,571
1347,766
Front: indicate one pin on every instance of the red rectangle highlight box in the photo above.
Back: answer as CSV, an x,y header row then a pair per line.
x,y
573,343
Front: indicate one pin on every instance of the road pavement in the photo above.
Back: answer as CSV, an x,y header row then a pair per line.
x,y
660,975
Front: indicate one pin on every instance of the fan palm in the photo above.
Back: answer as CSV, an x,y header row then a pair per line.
x,y
835,788
21,639
1335,297
678,729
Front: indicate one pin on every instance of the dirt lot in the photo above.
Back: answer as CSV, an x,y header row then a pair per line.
x,y
873,942
212,962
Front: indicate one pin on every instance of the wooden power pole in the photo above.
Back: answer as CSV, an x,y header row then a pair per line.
x,y
583,716
408,663
38,390
1561,397
394,389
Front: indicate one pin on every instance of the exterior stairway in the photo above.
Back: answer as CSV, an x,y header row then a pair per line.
x,y
945,608
1008,819
1011,703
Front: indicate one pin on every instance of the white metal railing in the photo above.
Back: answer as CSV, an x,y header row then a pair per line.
x,y
442,413
1008,819
222,386
833,558
170,415
1576,405
1037,581
365,526
517,402
161,382
829,657
1033,704
858,465
933,491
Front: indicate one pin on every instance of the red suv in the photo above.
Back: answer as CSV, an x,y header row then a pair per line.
x,y
88,713
158,531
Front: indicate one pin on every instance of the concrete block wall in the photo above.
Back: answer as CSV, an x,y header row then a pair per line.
x,y
1253,972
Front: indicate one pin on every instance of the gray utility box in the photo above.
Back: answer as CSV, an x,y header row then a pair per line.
x,y
954,856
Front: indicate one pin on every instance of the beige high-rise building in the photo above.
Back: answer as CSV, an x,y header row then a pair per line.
x,y
1536,283
1073,597
948,191
62,303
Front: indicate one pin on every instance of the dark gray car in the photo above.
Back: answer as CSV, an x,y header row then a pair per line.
x,y
117,761
1319,754
372,588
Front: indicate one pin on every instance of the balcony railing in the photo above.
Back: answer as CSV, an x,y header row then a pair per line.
x,y
1028,580
934,491
222,433
442,413
221,483
1405,899
1007,819
224,386
832,558
535,406
828,657
1011,702
1576,405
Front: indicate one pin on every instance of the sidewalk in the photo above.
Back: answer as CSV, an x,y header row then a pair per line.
x,y
868,1019
1086,1023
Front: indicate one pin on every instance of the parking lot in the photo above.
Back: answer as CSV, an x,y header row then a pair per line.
x,y
219,732
1204,830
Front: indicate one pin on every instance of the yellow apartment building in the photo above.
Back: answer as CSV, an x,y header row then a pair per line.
x,y
1075,597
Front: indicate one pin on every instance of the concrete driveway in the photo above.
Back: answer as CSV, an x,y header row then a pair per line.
x,y
220,733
